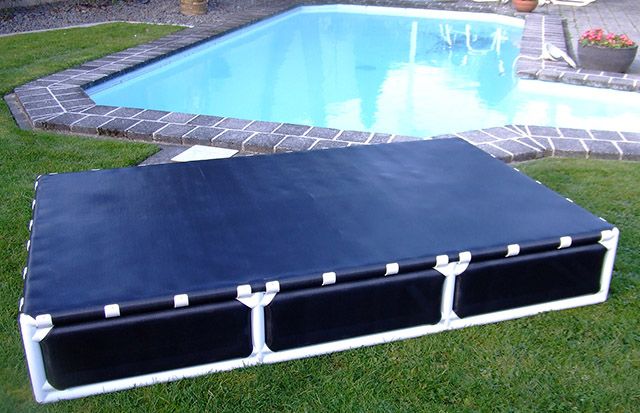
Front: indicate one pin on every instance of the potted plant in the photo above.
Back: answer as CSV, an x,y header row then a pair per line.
x,y
607,52
525,5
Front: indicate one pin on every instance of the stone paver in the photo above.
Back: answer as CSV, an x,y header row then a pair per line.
x,y
144,130
205,120
231,139
380,138
295,143
354,136
201,135
261,126
325,133
259,141
173,133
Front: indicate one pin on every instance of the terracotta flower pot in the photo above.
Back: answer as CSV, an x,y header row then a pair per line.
x,y
525,5
606,59
194,7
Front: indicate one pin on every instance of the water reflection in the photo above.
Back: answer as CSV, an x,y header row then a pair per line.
x,y
399,74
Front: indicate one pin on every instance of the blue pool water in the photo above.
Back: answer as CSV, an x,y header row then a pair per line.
x,y
409,72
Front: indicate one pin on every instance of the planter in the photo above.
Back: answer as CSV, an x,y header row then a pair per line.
x,y
525,5
606,59
194,7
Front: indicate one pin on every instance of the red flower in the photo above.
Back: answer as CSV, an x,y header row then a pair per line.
x,y
598,37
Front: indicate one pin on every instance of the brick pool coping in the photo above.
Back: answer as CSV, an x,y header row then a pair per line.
x,y
58,102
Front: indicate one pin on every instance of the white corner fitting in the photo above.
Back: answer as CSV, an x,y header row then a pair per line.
x,y
450,270
565,242
180,300
31,338
257,302
609,239
328,278
512,250
392,269
43,324
111,310
48,387
252,300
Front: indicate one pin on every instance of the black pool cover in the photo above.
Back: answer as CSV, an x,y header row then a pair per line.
x,y
137,237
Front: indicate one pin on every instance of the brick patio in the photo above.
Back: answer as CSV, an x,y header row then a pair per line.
x,y
620,16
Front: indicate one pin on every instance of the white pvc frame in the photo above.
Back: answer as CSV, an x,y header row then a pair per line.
x,y
33,331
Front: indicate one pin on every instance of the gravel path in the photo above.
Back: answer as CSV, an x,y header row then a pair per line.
x,y
79,12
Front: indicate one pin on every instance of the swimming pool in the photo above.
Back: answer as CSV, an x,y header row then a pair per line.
x,y
409,72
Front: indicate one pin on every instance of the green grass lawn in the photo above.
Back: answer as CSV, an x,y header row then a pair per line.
x,y
585,359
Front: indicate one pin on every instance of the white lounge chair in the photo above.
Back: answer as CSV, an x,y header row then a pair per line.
x,y
575,3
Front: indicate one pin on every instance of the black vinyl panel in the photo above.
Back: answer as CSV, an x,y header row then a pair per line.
x,y
341,311
145,234
129,346
523,280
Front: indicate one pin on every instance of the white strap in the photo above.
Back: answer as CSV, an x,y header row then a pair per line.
x,y
180,300
111,310
328,278
392,269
